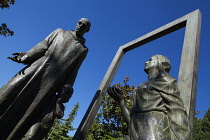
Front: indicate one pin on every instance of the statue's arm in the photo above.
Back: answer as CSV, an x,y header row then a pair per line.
x,y
67,89
125,111
116,94
36,52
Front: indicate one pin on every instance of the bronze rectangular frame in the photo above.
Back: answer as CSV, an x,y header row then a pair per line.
x,y
188,72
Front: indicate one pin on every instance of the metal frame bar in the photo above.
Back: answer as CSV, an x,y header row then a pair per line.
x,y
187,81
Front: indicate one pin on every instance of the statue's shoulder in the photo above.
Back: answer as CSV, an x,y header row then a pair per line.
x,y
165,76
58,30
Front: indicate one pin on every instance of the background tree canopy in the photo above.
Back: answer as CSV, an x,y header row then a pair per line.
x,y
4,30
202,127
6,3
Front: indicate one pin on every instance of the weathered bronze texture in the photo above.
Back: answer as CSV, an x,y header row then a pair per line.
x,y
157,111
34,97
188,72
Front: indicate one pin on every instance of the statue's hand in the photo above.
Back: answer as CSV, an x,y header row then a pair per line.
x,y
59,110
115,93
19,57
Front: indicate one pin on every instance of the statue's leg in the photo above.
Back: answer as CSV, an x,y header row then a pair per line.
x,y
47,123
34,132
40,129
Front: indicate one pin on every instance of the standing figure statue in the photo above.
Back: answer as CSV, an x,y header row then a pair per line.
x,y
157,111
34,97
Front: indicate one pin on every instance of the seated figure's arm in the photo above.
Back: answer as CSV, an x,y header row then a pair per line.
x,y
116,94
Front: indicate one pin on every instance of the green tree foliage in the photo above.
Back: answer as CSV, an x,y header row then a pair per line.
x,y
4,30
202,127
6,3
109,123
61,128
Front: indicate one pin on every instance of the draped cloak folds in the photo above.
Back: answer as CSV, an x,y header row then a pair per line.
x,y
31,93
157,111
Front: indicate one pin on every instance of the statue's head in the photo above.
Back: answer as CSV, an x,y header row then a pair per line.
x,y
157,62
83,26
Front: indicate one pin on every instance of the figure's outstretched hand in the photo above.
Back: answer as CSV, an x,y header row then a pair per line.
x,y
115,93
18,57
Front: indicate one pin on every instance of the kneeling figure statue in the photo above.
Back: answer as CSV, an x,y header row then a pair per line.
x,y
157,111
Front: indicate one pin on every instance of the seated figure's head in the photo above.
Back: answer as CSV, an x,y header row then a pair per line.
x,y
157,62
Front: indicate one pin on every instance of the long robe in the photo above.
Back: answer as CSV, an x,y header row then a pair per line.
x,y
158,112
31,93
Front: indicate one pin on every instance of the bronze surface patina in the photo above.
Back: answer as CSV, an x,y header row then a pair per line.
x,y
34,97
157,111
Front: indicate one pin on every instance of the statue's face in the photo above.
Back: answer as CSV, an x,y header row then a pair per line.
x,y
151,63
82,26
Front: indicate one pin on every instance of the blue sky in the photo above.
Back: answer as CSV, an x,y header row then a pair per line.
x,y
114,23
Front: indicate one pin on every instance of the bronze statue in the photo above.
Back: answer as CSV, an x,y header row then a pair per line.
x,y
157,111
34,97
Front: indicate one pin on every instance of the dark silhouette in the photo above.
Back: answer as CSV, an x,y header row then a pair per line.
x,y
34,97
